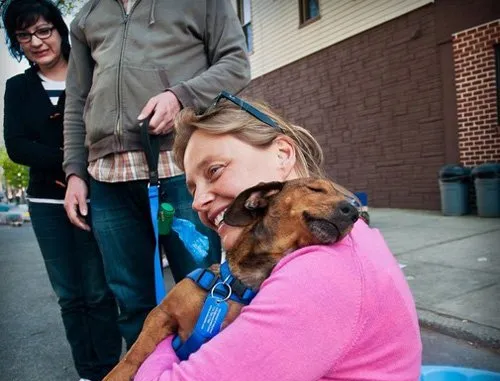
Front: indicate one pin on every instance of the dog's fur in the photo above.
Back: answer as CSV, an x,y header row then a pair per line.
x,y
277,219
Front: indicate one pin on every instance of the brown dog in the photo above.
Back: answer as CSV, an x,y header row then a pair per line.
x,y
277,219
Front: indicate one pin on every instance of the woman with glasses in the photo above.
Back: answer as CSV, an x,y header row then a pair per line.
x,y
33,132
333,312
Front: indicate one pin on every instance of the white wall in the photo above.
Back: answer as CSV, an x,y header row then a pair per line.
x,y
278,40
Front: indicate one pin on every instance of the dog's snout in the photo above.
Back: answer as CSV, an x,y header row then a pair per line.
x,y
347,210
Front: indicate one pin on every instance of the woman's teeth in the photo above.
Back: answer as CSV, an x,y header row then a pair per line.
x,y
220,217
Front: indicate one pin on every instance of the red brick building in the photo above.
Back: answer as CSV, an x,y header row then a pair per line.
x,y
476,53
395,102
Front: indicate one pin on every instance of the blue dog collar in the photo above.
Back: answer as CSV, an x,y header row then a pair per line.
x,y
219,289
240,293
206,279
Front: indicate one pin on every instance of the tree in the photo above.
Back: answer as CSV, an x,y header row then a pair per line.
x,y
16,175
67,7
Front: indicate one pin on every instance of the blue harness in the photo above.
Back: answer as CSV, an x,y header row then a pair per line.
x,y
219,289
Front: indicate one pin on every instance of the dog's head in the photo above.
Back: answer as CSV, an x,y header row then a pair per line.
x,y
279,217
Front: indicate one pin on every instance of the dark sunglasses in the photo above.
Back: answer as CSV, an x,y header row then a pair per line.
x,y
256,113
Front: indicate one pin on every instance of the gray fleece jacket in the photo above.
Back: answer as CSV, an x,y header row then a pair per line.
x,y
194,48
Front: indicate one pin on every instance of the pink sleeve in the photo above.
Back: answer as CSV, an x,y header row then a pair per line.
x,y
158,362
302,321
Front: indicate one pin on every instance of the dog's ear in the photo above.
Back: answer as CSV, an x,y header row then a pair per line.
x,y
251,203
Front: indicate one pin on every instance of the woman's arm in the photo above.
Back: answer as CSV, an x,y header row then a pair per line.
x,y
298,326
21,148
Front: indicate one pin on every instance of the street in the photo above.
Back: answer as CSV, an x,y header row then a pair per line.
x,y
32,343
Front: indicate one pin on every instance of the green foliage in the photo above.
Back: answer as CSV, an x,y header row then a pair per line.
x,y
67,7
16,175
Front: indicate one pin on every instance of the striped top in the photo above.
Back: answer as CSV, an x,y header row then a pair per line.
x,y
54,88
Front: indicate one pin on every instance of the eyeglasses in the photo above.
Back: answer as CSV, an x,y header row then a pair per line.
x,y
42,34
256,113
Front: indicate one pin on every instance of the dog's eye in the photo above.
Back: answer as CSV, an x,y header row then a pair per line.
x,y
316,189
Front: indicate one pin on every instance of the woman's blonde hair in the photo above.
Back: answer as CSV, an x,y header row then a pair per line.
x,y
227,118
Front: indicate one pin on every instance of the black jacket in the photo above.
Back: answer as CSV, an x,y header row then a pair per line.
x,y
33,133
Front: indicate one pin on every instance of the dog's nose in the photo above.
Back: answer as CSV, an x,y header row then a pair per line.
x,y
347,210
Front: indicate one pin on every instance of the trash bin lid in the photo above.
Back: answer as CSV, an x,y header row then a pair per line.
x,y
454,171
487,170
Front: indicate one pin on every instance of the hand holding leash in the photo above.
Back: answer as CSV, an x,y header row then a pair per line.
x,y
164,108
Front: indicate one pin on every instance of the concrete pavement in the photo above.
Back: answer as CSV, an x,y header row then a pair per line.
x,y
452,265
33,345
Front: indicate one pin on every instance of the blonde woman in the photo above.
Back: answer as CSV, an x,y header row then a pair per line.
x,y
338,312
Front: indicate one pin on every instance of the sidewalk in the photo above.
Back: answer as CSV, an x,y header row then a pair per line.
x,y
452,267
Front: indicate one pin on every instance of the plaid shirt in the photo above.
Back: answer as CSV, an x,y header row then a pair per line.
x,y
130,166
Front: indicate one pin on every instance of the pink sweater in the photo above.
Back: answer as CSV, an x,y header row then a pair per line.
x,y
339,312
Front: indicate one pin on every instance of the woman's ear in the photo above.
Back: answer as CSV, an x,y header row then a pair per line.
x,y
285,156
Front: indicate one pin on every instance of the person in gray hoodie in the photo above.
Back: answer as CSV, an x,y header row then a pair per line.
x,y
130,60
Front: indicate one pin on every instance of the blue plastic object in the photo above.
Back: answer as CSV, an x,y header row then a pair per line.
x,y
450,373
363,198
195,242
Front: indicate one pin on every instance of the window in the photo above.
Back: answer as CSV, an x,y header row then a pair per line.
x,y
245,15
309,11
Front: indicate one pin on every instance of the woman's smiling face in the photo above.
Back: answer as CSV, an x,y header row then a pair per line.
x,y
43,52
219,167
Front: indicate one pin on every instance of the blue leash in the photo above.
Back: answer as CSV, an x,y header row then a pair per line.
x,y
151,146
154,205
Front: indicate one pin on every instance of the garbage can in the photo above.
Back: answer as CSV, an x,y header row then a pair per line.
x,y
487,183
454,182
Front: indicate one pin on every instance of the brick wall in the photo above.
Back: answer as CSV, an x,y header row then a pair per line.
x,y
475,78
374,102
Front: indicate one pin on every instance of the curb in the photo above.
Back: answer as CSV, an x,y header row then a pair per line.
x,y
482,335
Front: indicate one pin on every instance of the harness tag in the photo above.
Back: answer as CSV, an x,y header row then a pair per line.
x,y
211,317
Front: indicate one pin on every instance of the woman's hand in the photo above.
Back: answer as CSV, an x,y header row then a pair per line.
x,y
75,202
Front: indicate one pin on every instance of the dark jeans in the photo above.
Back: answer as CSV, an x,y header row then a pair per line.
x,y
122,225
75,268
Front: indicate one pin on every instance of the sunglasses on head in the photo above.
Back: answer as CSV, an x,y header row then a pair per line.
x,y
256,113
